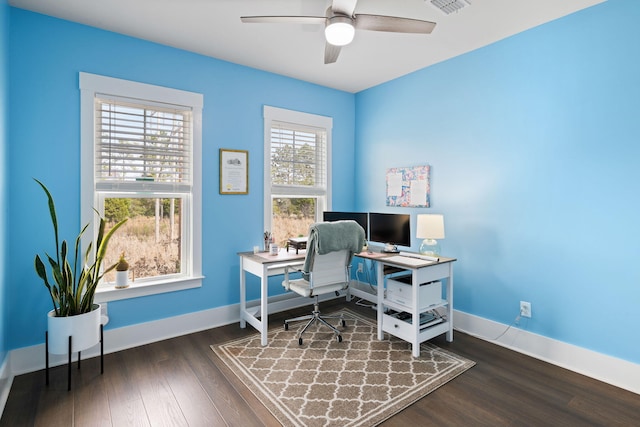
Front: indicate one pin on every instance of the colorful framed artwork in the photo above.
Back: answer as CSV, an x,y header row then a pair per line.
x,y
409,187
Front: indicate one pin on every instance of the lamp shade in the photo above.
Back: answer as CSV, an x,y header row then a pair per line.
x,y
339,30
430,226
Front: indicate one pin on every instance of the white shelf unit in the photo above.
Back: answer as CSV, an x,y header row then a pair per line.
x,y
412,331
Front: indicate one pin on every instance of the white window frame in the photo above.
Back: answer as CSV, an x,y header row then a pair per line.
x,y
271,114
92,85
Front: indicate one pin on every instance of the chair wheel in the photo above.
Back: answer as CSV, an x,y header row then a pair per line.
x,y
344,324
300,341
286,326
339,338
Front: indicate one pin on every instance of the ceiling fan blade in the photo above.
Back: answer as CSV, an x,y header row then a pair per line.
x,y
331,53
283,19
393,24
344,7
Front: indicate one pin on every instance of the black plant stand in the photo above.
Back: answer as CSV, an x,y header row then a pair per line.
x,y
46,340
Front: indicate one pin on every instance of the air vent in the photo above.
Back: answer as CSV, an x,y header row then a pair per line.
x,y
450,6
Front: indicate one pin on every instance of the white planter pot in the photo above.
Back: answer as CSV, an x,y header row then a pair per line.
x,y
84,330
122,279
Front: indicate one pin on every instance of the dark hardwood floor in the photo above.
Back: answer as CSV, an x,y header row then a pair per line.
x,y
178,382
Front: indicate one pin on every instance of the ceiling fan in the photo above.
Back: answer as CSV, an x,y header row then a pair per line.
x,y
341,22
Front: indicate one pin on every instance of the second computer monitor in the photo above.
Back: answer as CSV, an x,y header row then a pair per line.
x,y
390,229
361,218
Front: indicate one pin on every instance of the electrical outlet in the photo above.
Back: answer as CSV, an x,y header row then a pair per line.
x,y
360,267
525,309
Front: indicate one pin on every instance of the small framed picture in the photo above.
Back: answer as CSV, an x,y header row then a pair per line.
x,y
234,171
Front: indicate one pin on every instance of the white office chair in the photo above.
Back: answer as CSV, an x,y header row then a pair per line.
x,y
327,266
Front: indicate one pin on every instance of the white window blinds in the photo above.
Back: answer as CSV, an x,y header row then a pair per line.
x,y
142,145
298,156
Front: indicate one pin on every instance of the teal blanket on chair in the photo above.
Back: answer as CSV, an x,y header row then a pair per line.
x,y
325,237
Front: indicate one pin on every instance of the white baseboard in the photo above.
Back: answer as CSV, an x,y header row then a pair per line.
x,y
6,379
608,369
611,370
30,359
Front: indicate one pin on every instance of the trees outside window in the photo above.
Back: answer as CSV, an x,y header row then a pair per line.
x,y
297,171
141,151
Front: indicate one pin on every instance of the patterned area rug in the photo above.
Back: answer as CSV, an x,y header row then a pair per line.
x,y
360,381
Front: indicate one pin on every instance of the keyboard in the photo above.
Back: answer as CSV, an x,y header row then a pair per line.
x,y
424,257
406,260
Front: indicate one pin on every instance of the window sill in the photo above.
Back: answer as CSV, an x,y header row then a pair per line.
x,y
110,293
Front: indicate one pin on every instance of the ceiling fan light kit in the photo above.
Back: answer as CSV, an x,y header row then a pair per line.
x,y
339,30
341,23
450,6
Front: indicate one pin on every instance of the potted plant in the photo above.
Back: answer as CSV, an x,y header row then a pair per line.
x,y
72,287
122,272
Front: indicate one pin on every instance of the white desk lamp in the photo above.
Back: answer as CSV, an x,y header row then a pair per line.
x,y
430,228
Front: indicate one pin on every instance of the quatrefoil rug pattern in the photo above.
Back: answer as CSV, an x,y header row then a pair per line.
x,y
359,382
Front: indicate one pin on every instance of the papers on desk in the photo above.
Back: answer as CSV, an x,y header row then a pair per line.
x,y
414,262
282,255
367,254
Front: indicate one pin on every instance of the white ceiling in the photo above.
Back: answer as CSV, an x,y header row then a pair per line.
x,y
213,28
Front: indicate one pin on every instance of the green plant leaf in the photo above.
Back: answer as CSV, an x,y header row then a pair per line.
x,y
52,213
42,273
72,287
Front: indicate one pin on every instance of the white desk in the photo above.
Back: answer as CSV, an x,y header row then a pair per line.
x,y
412,331
262,265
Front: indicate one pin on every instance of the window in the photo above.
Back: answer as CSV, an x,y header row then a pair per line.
x,y
297,171
141,150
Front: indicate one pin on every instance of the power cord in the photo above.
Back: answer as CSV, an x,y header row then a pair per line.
x,y
516,322
361,303
366,271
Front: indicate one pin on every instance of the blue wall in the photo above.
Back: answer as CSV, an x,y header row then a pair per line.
x,y
45,56
4,46
532,140
534,147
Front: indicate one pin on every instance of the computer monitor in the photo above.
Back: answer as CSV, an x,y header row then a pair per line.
x,y
391,229
361,218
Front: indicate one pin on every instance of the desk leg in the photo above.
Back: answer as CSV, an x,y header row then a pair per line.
x,y
415,322
243,294
380,281
449,335
264,305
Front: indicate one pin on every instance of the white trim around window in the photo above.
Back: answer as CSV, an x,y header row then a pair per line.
x,y
295,118
92,85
